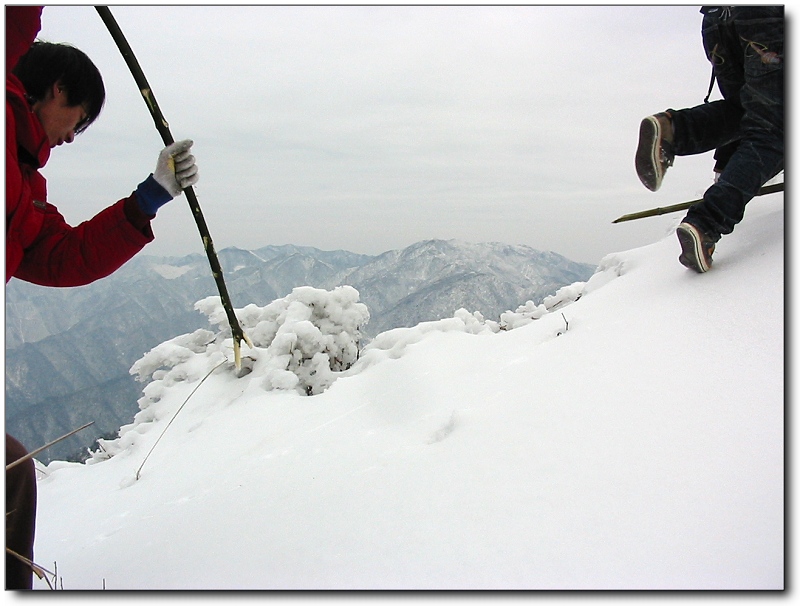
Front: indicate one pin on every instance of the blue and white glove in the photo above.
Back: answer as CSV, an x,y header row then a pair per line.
x,y
175,171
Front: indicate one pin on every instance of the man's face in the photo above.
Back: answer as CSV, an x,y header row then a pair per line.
x,y
59,119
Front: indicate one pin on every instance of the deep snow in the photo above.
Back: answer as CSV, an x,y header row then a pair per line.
x,y
630,439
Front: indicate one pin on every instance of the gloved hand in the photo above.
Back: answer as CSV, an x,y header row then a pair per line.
x,y
176,168
175,171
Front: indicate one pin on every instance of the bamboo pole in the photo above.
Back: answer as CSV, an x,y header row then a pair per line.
x,y
163,128
663,210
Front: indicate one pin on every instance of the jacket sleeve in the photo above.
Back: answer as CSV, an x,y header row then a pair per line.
x,y
73,256
22,25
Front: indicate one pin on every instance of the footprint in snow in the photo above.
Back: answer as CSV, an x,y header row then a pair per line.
x,y
444,431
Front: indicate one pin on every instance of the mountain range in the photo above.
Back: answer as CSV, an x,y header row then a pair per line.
x,y
69,351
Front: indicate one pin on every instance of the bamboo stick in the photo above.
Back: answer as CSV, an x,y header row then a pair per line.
x,y
163,128
663,210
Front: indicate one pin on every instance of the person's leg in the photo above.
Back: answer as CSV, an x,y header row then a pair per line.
x,y
20,515
757,33
683,132
697,130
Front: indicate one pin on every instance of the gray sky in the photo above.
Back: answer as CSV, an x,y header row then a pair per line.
x,y
371,128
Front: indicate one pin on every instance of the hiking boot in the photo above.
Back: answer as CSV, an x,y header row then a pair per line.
x,y
654,154
696,248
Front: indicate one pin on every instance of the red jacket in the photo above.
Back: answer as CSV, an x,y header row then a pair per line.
x,y
40,246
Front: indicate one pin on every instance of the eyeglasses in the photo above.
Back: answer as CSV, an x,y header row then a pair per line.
x,y
84,122
82,125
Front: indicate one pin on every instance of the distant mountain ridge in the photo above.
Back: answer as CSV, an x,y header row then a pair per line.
x,y
68,351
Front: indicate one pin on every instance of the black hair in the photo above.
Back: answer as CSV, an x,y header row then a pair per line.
x,y
46,63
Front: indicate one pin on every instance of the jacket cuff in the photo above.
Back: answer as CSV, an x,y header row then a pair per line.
x,y
151,196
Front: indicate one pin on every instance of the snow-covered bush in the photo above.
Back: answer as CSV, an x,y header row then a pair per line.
x,y
308,336
299,342
302,340
525,314
564,295
171,354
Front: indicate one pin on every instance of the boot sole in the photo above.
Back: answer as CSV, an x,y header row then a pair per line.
x,y
648,160
692,255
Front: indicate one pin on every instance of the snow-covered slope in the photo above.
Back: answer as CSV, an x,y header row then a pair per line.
x,y
630,439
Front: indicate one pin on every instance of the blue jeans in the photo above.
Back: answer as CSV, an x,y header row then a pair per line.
x,y
745,47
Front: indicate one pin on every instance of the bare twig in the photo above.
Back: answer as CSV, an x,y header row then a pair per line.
x,y
38,570
138,471
32,454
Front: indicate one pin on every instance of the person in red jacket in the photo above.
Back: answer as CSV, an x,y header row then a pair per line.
x,y
53,93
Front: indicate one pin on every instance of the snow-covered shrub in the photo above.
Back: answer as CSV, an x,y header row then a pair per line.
x,y
524,314
308,337
171,353
564,295
299,342
475,323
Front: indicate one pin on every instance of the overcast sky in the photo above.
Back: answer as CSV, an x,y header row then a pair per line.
x,y
371,128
